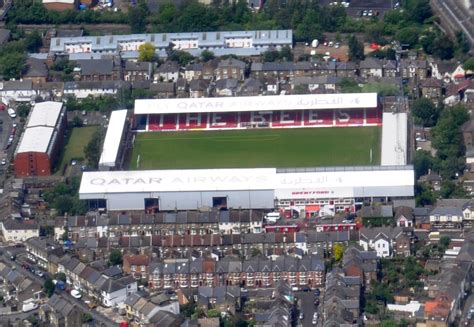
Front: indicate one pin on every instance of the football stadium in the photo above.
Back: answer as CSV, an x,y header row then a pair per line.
x,y
313,152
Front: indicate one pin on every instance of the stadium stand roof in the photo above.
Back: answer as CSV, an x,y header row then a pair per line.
x,y
348,181
249,103
394,139
113,138
40,127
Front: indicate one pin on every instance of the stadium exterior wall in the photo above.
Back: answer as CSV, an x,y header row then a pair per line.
x,y
169,201
32,164
261,188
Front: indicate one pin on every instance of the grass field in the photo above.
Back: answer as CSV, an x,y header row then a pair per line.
x,y
303,147
74,148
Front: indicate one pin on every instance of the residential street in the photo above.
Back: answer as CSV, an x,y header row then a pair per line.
x,y
99,319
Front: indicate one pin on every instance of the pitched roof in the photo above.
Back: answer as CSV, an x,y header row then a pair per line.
x,y
95,66
36,68
15,224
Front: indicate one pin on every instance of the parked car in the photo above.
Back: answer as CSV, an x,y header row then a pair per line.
x,y
11,113
317,292
301,316
4,162
76,294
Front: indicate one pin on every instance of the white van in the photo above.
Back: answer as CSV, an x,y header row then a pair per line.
x,y
28,306
11,112
272,217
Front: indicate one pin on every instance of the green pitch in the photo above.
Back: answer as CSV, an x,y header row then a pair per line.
x,y
304,147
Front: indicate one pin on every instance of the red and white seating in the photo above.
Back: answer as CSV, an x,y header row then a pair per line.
x,y
373,116
286,118
220,120
349,117
318,118
165,122
192,121
262,119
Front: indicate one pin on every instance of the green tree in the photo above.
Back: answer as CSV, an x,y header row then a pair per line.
x,y
444,242
207,55
137,19
422,162
443,47
418,10
115,257
61,276
424,195
23,110
349,85
12,65
338,250
77,122
447,139
34,41
356,49
462,44
146,52
388,322
270,56
93,148
87,317
213,313
424,112
182,57
64,198
198,313
48,287
408,35
188,309
469,64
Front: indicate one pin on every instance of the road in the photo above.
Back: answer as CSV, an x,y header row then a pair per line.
x,y
306,305
99,319
465,312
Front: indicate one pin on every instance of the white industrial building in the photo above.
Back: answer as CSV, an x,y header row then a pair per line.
x,y
113,139
260,188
